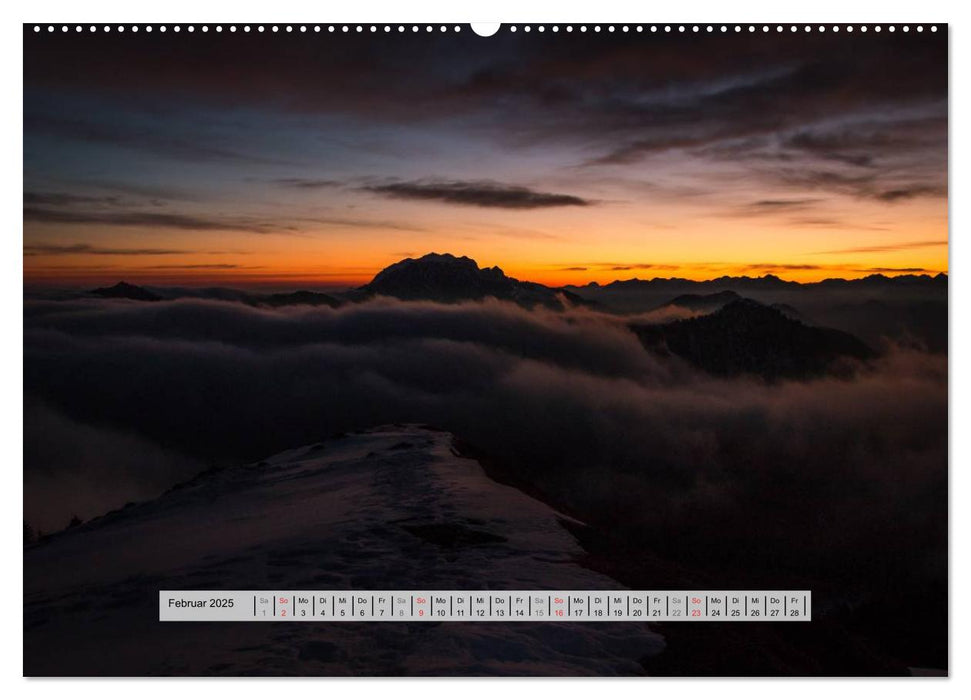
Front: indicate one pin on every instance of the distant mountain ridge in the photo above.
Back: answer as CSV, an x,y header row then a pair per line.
x,y
124,290
449,278
769,282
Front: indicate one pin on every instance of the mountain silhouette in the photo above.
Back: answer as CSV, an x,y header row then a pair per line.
x,y
746,337
123,290
769,283
449,279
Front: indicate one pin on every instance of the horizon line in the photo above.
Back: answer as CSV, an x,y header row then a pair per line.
x,y
285,281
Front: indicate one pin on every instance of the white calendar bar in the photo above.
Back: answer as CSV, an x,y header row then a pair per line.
x,y
484,606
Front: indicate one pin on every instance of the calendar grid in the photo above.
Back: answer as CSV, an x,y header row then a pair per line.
x,y
485,606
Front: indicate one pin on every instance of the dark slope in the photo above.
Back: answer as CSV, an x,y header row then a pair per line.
x,y
746,337
393,508
702,303
920,323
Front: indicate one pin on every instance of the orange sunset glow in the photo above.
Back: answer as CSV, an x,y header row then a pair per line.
x,y
695,248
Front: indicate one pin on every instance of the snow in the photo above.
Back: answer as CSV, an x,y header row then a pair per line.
x,y
390,509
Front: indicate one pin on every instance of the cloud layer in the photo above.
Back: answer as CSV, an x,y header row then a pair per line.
x,y
843,476
477,194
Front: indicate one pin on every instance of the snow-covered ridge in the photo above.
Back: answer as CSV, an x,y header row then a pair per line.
x,y
392,508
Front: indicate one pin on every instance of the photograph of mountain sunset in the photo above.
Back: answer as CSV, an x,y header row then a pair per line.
x,y
567,308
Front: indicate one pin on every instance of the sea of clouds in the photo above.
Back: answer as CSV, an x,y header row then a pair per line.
x,y
123,399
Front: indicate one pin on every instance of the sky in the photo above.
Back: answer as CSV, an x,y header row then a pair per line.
x,y
314,160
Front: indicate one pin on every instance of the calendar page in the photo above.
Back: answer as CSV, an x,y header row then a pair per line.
x,y
451,350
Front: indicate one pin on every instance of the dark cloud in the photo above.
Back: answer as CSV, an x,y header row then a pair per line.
x,y
130,196
150,219
193,146
697,90
301,183
831,222
884,187
777,204
59,199
783,266
775,118
88,249
615,267
842,148
204,266
912,270
629,266
476,194
770,207
872,142
152,193
635,151
347,222
872,104
910,192
886,248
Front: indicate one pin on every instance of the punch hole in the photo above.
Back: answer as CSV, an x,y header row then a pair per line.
x,y
485,28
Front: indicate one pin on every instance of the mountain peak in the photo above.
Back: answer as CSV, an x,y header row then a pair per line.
x,y
747,337
704,303
448,278
440,277
124,290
